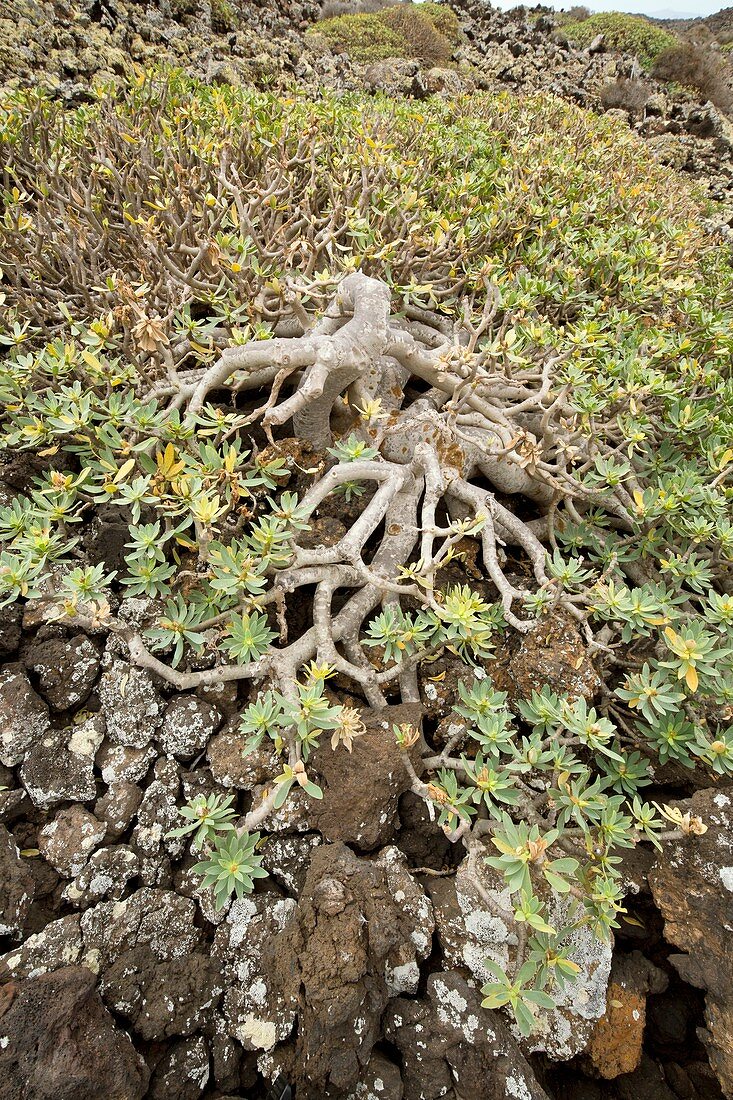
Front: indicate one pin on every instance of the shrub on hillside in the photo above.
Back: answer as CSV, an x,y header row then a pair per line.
x,y
699,68
626,95
363,37
626,33
423,39
701,34
578,13
426,31
443,18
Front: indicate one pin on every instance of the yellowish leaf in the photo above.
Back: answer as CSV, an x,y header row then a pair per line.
x,y
125,469
691,678
91,360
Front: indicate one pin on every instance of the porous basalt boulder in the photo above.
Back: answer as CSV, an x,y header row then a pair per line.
x,y
286,857
362,789
381,1080
470,932
13,804
553,654
183,1071
161,998
106,875
453,1048
118,806
58,945
11,621
258,1010
65,670
157,919
160,919
231,768
59,1042
670,150
692,884
394,77
123,764
158,813
23,715
132,706
359,932
446,82
60,767
18,887
188,724
616,1044
69,840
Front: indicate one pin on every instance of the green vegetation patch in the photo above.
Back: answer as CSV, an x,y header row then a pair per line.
x,y
363,37
627,33
426,31
443,18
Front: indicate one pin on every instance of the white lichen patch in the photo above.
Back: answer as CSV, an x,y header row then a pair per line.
x,y
452,1010
86,738
481,935
516,1088
256,1033
402,979
726,877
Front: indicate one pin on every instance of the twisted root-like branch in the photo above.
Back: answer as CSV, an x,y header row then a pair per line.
x,y
481,420
476,420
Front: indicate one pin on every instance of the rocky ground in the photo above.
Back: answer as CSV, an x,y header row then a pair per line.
x,y
355,971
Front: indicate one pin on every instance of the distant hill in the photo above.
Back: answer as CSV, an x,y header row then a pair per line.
x,y
668,14
720,24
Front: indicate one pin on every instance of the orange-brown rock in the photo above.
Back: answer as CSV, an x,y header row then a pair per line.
x,y
616,1043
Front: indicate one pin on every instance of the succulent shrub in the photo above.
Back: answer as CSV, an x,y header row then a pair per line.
x,y
364,36
626,33
227,315
425,31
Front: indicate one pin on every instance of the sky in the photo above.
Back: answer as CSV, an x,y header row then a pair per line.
x,y
663,9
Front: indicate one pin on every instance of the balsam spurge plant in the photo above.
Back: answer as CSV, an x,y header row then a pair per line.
x,y
226,316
